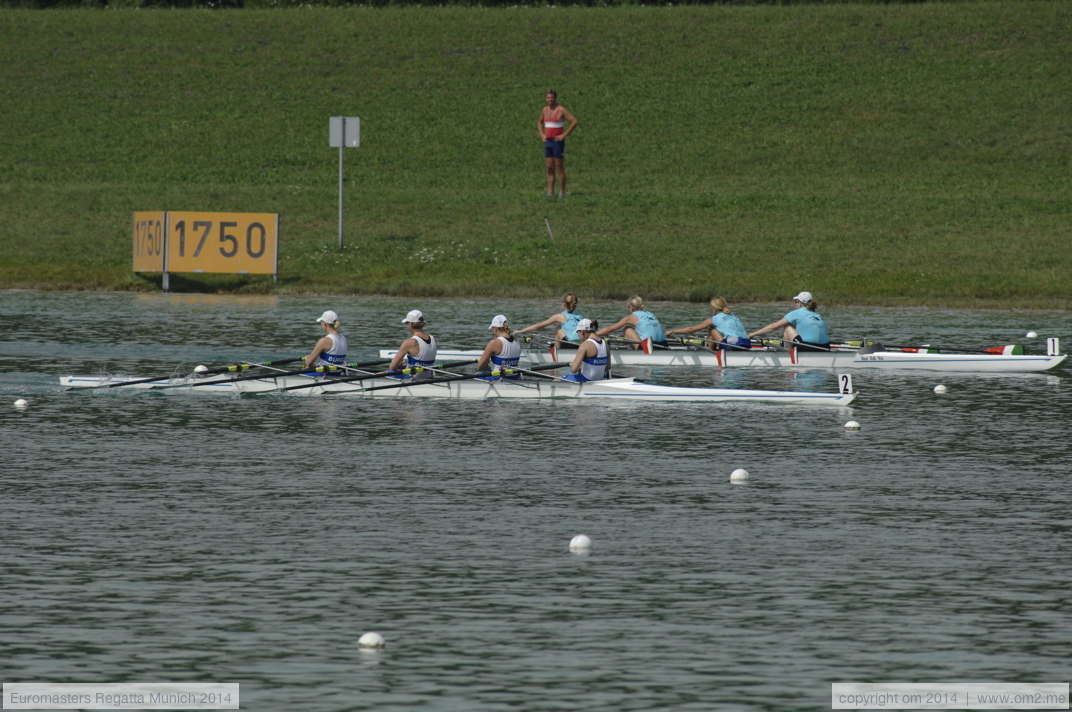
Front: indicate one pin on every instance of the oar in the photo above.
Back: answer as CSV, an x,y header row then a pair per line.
x,y
441,369
1010,349
686,341
277,374
534,371
365,376
553,341
646,345
460,377
776,344
362,367
240,366
695,347
791,344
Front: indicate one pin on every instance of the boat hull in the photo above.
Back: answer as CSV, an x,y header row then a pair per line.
x,y
771,358
466,389
610,389
965,363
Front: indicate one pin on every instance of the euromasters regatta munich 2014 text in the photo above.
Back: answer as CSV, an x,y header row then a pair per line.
x,y
104,698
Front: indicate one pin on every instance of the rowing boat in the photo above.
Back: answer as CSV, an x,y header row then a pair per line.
x,y
842,357
470,389
609,389
833,359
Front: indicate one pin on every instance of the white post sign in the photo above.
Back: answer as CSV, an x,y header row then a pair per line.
x,y
343,132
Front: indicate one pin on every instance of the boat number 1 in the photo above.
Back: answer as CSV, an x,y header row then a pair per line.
x,y
256,237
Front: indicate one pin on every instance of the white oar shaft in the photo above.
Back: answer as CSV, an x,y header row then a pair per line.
x,y
381,374
240,366
452,379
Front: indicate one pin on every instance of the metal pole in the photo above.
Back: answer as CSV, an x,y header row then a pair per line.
x,y
166,284
341,149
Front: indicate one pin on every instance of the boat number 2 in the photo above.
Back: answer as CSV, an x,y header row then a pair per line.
x,y
844,383
256,238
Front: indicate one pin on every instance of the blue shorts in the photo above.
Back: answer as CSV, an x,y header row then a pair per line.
x,y
554,149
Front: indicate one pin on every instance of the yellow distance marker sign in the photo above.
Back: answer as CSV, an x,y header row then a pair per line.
x,y
230,243
221,243
149,241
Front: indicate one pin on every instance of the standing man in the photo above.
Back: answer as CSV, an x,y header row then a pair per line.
x,y
553,133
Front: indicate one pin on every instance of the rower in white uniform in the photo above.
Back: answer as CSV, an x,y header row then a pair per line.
x,y
418,351
330,350
592,360
502,352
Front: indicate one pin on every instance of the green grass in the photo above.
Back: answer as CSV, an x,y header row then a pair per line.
x,y
873,154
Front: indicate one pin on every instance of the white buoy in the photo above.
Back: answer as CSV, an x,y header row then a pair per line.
x,y
1031,335
22,403
940,388
580,543
371,640
852,425
201,368
739,475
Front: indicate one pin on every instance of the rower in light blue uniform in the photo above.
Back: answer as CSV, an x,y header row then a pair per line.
x,y
569,326
724,329
503,352
331,349
418,351
638,325
804,327
592,359
567,320
648,327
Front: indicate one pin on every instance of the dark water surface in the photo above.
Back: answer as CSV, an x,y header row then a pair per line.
x,y
151,538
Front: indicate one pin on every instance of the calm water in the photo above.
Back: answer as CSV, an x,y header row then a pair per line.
x,y
151,538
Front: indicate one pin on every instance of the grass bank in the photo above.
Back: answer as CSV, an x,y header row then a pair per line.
x,y
882,154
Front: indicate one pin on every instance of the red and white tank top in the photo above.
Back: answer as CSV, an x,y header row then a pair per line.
x,y
552,121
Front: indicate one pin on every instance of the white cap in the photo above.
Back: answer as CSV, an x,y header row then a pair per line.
x,y
329,316
803,298
585,325
414,317
498,322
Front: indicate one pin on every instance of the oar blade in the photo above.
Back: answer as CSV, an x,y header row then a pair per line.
x,y
1009,350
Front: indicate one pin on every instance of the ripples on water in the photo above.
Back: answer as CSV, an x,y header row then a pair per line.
x,y
253,540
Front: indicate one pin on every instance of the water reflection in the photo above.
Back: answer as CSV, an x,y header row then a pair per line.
x,y
729,378
216,301
814,380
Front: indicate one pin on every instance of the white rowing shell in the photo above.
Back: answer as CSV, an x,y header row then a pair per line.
x,y
758,358
610,389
